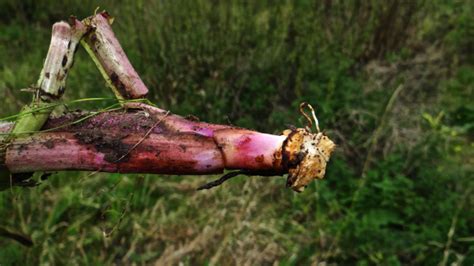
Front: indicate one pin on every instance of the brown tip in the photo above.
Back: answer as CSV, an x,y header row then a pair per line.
x,y
306,155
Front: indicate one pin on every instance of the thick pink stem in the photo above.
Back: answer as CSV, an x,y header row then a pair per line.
x,y
153,141
118,142
241,148
181,154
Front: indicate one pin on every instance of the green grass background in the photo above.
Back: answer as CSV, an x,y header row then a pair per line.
x,y
251,63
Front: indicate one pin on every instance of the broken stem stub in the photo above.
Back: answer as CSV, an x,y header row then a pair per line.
x,y
52,81
107,53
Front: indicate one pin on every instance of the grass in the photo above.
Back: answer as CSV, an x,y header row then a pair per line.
x,y
252,64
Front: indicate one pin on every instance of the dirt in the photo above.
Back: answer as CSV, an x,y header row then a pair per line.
x,y
286,153
112,147
49,144
118,122
122,89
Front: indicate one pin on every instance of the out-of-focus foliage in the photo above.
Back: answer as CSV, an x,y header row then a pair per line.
x,y
400,181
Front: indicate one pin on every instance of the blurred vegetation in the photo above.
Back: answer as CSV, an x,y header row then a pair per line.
x,y
393,85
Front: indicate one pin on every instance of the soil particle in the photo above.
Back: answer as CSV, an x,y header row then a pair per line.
x,y
22,148
49,144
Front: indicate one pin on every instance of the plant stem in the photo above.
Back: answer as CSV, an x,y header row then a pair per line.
x,y
107,53
163,143
52,81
